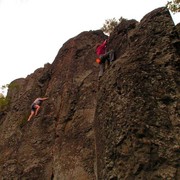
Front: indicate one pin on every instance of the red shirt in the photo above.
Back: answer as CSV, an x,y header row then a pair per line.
x,y
101,49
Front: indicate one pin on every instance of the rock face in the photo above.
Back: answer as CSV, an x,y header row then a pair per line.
x,y
59,142
137,116
125,126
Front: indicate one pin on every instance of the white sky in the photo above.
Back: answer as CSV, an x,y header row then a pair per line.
x,y
33,31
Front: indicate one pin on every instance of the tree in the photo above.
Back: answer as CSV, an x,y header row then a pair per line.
x,y
110,24
173,6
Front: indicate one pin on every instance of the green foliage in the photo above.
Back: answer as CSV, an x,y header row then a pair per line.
x,y
3,103
110,24
173,6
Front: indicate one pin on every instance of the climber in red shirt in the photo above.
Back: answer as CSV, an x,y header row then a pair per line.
x,y
101,49
103,57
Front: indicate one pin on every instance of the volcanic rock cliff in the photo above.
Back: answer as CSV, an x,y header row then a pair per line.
x,y
124,126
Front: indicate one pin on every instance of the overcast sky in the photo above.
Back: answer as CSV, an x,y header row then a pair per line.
x,y
33,31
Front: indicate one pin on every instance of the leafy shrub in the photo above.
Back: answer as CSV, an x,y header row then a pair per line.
x,y
3,103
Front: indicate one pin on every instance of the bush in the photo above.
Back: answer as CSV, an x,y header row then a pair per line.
x,y
3,103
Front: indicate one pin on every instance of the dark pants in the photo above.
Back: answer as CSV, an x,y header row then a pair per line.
x,y
106,58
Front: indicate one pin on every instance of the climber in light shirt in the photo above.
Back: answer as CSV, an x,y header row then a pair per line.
x,y
36,106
